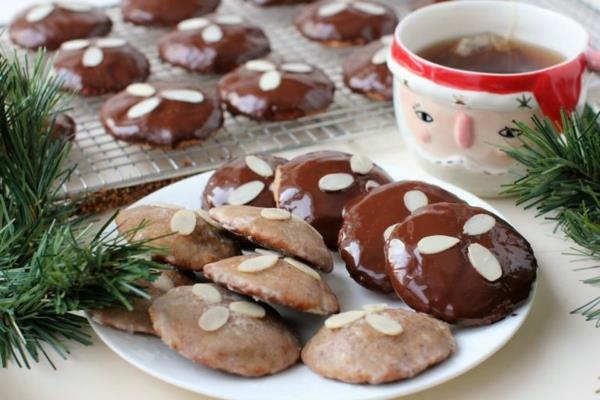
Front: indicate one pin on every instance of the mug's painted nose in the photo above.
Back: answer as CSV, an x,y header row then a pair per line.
x,y
464,134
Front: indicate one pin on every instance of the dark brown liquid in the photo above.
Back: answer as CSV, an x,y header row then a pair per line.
x,y
490,53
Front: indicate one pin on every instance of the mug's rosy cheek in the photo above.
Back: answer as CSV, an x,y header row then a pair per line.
x,y
422,135
500,153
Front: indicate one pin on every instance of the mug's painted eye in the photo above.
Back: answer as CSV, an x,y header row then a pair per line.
x,y
423,116
508,132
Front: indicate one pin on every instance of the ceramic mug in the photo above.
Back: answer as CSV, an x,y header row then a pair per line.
x,y
454,120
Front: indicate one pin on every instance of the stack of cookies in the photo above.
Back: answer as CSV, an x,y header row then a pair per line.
x,y
262,243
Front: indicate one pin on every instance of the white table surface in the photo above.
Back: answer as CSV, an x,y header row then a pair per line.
x,y
553,356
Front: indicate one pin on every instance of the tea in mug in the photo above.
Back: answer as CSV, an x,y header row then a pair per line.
x,y
490,53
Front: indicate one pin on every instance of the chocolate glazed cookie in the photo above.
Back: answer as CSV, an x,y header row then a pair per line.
x,y
316,186
93,67
162,12
213,44
460,264
165,114
365,70
368,221
340,23
272,90
51,24
247,180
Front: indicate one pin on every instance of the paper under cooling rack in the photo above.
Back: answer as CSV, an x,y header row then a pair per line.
x,y
104,163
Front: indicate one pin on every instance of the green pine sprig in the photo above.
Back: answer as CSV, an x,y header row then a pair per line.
x,y
51,265
562,182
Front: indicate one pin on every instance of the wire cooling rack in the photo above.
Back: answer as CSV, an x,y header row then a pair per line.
x,y
105,163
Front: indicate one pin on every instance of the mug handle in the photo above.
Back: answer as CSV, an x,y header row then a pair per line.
x,y
592,57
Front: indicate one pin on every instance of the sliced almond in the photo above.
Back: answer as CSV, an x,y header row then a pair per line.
x,y
76,44
387,39
303,267
110,42
257,264
245,193
229,19
268,252
183,95
183,222
436,244
360,164
414,199
143,107
167,205
380,56
374,308
276,214
40,12
259,166
342,319
298,68
207,292
384,324
479,224
246,308
484,262
260,65
75,6
163,283
141,89
192,24
92,57
388,231
212,34
213,318
368,8
330,9
270,80
208,219
371,184
335,182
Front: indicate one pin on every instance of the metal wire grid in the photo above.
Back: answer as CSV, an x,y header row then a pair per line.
x,y
105,163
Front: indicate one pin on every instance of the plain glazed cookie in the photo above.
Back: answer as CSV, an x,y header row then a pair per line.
x,y
365,70
166,114
251,174
92,67
137,320
191,239
459,263
378,345
340,23
213,44
370,218
209,325
275,279
277,230
316,187
51,24
271,90
163,12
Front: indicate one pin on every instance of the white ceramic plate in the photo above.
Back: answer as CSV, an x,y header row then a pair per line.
x,y
152,356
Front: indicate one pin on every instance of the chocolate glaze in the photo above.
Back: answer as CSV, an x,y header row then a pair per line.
x,y
240,43
445,284
361,75
171,124
299,94
366,217
297,190
59,26
235,173
163,12
63,128
346,28
120,66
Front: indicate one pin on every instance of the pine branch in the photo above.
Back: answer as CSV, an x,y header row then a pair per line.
x,y
49,264
563,183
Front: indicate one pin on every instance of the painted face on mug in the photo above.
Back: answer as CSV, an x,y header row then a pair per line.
x,y
456,133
